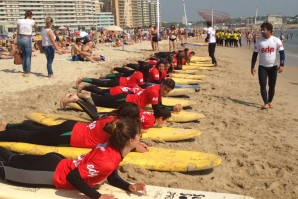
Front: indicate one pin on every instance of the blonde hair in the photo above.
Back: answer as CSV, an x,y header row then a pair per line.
x,y
49,22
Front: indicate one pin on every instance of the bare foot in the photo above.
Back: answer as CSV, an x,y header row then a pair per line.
x,y
85,95
266,106
80,87
3,125
124,65
112,69
79,80
270,105
69,98
216,65
52,76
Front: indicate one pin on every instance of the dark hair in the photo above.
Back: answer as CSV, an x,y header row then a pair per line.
x,y
28,13
121,131
179,58
170,60
209,23
169,82
79,39
268,26
144,69
192,52
128,110
162,112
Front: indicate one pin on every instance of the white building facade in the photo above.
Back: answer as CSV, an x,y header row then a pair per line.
x,y
72,13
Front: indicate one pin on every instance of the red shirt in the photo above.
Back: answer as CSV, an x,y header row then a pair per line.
x,y
94,167
154,74
147,119
122,89
89,135
135,79
150,95
175,61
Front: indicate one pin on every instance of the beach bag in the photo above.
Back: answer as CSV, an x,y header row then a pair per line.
x,y
18,60
39,44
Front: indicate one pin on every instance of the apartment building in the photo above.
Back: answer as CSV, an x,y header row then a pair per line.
x,y
132,13
104,19
70,13
153,14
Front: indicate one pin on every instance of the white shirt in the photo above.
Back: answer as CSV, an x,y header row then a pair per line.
x,y
211,33
45,37
268,50
25,26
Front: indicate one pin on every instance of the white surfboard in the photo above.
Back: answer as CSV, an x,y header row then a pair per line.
x,y
153,192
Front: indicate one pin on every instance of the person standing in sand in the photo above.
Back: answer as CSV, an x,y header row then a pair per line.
x,y
212,42
24,40
49,45
268,46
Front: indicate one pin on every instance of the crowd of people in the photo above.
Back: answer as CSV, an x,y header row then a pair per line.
x,y
113,135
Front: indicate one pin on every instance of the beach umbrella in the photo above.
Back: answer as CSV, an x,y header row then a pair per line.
x,y
62,28
113,28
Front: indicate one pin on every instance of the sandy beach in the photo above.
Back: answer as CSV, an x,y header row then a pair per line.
x,y
259,148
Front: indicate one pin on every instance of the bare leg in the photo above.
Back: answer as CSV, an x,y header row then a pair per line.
x,y
80,87
79,80
174,45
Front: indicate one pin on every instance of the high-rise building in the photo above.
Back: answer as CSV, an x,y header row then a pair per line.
x,y
153,15
72,13
133,13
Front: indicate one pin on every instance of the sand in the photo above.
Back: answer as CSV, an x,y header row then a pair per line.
x,y
259,148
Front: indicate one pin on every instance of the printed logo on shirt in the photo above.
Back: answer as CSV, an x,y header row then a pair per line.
x,y
139,93
124,89
141,80
157,75
102,146
92,125
155,99
77,161
128,78
142,119
92,171
267,50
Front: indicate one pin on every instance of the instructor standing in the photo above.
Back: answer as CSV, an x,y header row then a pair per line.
x,y
212,42
268,46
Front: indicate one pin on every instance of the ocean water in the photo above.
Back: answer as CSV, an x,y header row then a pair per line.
x,y
291,47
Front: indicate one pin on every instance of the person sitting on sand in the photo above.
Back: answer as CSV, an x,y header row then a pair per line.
x,y
83,173
87,48
76,52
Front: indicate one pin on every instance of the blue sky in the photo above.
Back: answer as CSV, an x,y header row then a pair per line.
x,y
172,10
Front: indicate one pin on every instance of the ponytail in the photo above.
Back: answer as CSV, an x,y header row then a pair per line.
x,y
121,131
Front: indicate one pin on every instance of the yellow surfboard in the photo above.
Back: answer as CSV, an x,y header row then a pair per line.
x,y
197,58
186,81
202,64
196,68
180,91
188,76
157,159
155,133
181,117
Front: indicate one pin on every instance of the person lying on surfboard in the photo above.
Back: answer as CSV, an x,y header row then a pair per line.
x,y
84,135
83,173
151,95
134,78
